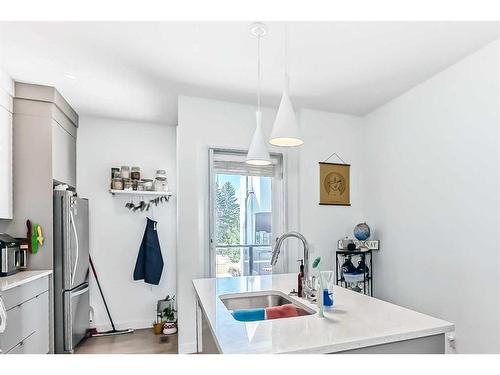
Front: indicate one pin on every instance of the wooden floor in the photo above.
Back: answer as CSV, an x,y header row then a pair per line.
x,y
141,341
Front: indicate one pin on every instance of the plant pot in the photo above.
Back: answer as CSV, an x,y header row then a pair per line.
x,y
158,328
161,305
169,328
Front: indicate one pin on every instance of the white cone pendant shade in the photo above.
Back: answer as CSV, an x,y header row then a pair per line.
x,y
258,153
286,130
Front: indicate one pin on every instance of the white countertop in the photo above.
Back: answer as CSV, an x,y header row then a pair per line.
x,y
358,320
20,278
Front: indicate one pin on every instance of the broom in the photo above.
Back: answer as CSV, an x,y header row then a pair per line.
x,y
114,331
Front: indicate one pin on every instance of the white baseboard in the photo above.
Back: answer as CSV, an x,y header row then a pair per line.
x,y
187,348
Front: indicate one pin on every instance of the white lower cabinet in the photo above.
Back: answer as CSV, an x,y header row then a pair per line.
x,y
27,329
27,346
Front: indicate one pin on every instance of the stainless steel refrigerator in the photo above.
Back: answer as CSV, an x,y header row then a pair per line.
x,y
71,270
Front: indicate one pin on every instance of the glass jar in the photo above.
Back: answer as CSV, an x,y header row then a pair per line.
x,y
139,185
117,183
160,185
125,172
135,173
127,184
161,175
148,184
115,172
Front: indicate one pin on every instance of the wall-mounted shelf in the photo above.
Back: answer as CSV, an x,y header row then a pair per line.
x,y
365,283
141,193
147,198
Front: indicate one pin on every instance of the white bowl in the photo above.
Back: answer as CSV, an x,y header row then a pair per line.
x,y
354,277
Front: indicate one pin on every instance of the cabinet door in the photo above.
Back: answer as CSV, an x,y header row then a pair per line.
x,y
63,155
25,346
38,341
6,211
24,292
30,318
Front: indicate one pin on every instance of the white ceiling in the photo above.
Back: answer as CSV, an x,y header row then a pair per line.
x,y
135,70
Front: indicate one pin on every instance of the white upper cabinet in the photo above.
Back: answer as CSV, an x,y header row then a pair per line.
x,y
57,120
6,197
63,155
6,171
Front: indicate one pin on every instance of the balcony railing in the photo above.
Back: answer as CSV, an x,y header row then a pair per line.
x,y
255,259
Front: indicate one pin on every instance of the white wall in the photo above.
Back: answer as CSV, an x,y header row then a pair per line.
x,y
325,133
432,188
115,232
203,123
207,123
6,83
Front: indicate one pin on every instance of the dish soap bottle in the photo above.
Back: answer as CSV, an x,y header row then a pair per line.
x,y
300,279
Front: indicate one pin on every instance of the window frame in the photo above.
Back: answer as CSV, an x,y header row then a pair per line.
x,y
279,196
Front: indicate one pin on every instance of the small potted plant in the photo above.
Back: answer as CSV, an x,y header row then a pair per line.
x,y
163,303
158,325
169,320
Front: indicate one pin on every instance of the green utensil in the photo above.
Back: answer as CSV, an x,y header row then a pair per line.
x,y
34,239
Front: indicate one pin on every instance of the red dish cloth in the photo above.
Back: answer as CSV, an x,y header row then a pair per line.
x,y
284,311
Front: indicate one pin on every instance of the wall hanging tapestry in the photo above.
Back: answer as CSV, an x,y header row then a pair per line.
x,y
334,184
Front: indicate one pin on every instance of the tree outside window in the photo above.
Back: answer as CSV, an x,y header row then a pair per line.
x,y
228,220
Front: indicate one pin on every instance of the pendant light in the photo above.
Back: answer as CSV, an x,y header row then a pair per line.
x,y
258,153
286,130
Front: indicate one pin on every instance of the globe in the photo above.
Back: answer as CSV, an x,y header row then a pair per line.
x,y
362,232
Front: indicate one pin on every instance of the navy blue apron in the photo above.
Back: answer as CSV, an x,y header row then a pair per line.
x,y
149,264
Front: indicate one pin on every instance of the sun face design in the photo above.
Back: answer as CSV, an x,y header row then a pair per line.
x,y
334,183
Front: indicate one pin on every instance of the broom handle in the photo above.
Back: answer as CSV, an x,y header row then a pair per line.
x,y
102,295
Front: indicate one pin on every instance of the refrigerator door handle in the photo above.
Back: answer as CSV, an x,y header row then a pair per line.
x,y
72,220
81,291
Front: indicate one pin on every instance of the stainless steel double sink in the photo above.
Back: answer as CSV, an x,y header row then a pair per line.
x,y
255,300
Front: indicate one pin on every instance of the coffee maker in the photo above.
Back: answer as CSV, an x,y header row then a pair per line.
x,y
12,258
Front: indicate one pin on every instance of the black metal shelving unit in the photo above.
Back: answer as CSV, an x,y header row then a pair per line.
x,y
367,283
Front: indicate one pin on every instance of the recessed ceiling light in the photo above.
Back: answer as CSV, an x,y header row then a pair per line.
x,y
70,76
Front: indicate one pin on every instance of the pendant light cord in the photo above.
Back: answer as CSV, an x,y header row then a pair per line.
x,y
286,78
258,73
286,50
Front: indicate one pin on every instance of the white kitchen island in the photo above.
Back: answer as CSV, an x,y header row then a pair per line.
x,y
359,323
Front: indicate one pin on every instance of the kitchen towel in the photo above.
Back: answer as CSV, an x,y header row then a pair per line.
x,y
149,264
249,315
284,311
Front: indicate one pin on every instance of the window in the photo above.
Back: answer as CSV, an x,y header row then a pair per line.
x,y
246,213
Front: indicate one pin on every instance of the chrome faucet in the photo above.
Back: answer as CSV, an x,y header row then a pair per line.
x,y
309,286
